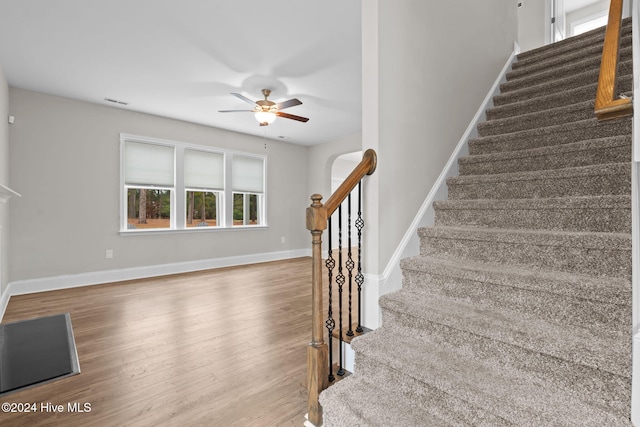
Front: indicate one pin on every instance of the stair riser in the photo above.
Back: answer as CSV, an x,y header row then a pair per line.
x,y
596,220
556,157
581,94
594,52
556,85
541,187
573,259
572,113
568,285
550,136
579,381
604,317
596,386
451,410
559,71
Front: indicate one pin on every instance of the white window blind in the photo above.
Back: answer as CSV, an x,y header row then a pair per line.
x,y
247,174
148,164
203,170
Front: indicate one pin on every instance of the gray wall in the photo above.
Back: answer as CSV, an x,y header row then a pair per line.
x,y
436,63
65,162
4,180
532,24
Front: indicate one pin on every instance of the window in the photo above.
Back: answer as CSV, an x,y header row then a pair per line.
x,y
149,184
248,190
204,186
175,186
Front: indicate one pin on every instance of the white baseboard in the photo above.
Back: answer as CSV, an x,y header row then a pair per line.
x,y
4,301
44,284
308,423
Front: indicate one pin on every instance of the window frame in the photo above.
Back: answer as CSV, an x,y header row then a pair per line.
x,y
224,196
261,199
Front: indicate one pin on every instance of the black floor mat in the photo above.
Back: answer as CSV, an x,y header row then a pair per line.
x,y
36,351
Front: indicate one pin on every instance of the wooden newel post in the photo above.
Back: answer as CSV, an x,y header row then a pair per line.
x,y
317,351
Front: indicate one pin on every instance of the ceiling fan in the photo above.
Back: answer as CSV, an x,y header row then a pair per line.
x,y
266,111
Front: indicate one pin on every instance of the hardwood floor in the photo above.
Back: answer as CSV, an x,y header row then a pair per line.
x,y
223,347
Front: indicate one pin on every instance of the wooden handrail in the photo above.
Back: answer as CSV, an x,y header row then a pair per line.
x,y
607,105
366,167
317,215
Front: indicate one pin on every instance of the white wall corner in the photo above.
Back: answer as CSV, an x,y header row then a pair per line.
x,y
371,313
635,391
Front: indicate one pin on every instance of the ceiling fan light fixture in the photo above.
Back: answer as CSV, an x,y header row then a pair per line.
x,y
265,118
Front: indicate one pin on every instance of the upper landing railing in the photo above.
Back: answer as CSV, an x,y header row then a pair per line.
x,y
319,218
608,105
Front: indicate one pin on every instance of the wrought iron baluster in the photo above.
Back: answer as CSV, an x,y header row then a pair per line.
x,y
330,323
340,280
349,264
359,277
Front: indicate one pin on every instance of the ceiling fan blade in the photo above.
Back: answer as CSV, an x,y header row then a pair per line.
x,y
292,117
244,98
235,111
290,103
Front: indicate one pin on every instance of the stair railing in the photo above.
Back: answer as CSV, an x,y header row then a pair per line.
x,y
319,352
607,105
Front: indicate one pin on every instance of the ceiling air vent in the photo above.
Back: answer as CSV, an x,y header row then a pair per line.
x,y
115,101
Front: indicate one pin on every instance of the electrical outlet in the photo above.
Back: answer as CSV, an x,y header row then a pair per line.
x,y
109,253
282,240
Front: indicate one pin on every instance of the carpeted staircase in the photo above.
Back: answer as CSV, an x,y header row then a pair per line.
x,y
518,310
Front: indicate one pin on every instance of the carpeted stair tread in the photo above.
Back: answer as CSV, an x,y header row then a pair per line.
x,y
574,344
615,149
511,394
596,180
598,254
554,116
539,89
498,290
592,52
568,45
520,79
575,285
554,100
589,213
550,135
358,402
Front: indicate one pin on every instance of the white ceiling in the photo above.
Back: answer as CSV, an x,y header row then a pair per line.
x,y
181,59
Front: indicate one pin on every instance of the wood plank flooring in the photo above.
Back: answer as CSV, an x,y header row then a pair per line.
x,y
223,347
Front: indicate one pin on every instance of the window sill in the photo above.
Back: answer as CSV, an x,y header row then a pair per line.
x,y
194,230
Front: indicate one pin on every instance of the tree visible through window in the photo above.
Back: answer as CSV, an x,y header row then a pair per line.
x,y
246,209
202,209
148,208
248,190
